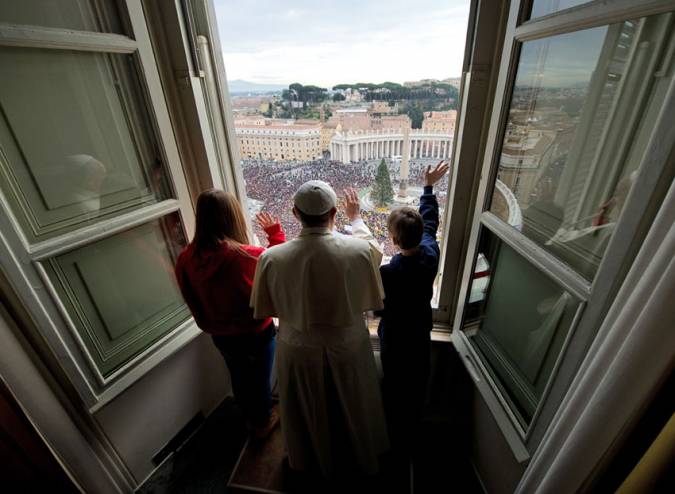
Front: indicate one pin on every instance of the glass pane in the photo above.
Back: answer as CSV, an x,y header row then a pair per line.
x,y
121,292
75,143
517,319
82,15
545,7
564,175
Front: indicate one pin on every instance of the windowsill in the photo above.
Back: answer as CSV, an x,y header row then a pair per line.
x,y
439,333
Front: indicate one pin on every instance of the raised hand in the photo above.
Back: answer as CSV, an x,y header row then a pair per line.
x,y
351,204
433,176
265,220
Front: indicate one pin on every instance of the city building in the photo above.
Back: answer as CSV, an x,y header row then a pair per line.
x,y
251,102
389,121
364,119
327,132
278,139
525,153
383,108
351,95
359,119
440,120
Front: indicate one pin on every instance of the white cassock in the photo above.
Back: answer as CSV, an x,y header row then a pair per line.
x,y
319,285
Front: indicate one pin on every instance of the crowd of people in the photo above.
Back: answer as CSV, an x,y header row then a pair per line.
x,y
271,185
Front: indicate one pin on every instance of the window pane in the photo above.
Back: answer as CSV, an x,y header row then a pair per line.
x,y
75,142
120,292
564,171
517,319
545,7
82,15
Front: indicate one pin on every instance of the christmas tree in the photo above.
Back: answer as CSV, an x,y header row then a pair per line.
x,y
382,192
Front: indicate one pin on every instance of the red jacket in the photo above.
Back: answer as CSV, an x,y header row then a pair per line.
x,y
217,286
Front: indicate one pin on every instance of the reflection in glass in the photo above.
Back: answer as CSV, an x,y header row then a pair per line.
x,y
517,319
564,172
82,15
120,292
75,140
545,7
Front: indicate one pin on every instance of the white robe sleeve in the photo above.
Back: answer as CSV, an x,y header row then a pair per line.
x,y
261,296
374,290
361,230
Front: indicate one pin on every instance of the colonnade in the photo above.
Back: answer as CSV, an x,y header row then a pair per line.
x,y
364,145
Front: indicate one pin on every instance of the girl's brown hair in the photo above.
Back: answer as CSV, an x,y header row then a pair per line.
x,y
220,219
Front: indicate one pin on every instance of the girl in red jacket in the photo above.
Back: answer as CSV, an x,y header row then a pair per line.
x,y
215,274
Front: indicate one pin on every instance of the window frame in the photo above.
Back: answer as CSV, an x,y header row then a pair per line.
x,y
485,30
597,294
24,259
217,95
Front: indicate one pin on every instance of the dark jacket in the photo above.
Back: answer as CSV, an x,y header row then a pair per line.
x,y
408,284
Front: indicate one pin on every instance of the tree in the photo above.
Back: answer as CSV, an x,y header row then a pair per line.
x,y
382,192
416,116
338,97
295,91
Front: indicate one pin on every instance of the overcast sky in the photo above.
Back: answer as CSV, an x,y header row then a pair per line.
x,y
328,42
561,61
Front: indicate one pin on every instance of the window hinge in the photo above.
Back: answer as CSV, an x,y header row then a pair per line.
x,y
183,77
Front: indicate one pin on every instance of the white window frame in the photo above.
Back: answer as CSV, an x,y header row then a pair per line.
x,y
21,260
486,23
596,296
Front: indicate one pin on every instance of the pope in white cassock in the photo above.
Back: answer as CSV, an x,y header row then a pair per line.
x,y
319,286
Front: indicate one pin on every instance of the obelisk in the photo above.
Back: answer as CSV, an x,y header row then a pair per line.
x,y
405,164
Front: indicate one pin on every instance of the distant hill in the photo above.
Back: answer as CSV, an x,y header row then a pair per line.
x,y
240,86
453,81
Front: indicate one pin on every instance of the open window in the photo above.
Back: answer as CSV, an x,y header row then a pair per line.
x,y
94,202
342,132
570,184
265,153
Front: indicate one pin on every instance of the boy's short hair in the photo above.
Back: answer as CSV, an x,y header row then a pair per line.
x,y
406,227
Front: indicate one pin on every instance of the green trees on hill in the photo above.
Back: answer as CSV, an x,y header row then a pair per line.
x,y
299,101
433,92
382,193
305,94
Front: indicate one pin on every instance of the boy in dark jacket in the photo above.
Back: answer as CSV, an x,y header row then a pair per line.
x,y
405,326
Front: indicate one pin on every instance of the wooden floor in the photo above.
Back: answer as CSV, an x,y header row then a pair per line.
x,y
220,459
260,467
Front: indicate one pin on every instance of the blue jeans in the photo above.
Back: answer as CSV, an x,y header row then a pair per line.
x,y
249,358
